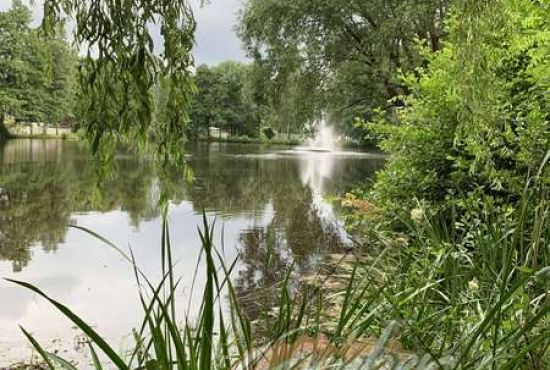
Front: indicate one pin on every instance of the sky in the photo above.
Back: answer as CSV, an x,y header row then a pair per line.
x,y
216,38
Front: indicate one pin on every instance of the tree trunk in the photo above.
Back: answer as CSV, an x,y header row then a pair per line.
x,y
4,133
288,131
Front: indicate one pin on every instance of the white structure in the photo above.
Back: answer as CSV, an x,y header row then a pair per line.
x,y
37,129
217,133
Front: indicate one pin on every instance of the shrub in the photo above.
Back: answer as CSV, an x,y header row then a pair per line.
x,y
477,120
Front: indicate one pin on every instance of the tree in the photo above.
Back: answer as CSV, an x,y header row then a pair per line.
x,y
32,85
333,39
202,109
118,36
61,65
37,72
235,115
295,102
223,100
14,26
117,77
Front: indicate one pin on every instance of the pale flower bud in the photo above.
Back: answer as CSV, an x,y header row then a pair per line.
x,y
417,215
402,242
473,285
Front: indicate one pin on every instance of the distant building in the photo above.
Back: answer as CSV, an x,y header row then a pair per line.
x,y
38,128
217,133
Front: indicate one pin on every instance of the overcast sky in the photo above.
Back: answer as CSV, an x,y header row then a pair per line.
x,y
216,39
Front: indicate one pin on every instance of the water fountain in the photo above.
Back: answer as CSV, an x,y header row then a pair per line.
x,y
324,139
324,145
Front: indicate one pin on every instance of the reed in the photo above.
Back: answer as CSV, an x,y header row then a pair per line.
x,y
449,306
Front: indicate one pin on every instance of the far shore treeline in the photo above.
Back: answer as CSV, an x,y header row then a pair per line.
x,y
37,73
40,84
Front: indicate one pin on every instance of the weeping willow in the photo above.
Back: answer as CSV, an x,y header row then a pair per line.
x,y
123,66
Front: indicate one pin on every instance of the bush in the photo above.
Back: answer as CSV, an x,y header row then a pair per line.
x,y
476,121
269,133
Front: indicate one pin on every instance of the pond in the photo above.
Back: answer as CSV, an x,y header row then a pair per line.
x,y
271,206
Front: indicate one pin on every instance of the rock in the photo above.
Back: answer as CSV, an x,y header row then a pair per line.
x,y
332,284
337,258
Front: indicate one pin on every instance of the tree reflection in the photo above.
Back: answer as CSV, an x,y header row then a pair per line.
x,y
43,184
303,227
298,235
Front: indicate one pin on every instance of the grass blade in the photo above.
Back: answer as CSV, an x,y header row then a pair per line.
x,y
87,329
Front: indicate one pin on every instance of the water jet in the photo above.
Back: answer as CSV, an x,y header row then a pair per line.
x,y
323,141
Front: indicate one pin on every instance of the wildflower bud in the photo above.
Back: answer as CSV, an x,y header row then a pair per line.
x,y
417,215
347,203
473,285
402,242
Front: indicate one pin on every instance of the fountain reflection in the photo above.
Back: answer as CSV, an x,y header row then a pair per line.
x,y
316,169
44,184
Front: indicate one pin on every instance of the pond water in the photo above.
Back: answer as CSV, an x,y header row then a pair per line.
x,y
266,202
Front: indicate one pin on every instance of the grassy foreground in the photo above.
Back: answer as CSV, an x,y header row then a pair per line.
x,y
451,307
222,337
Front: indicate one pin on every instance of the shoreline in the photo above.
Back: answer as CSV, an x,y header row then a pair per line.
x,y
247,140
291,142
237,140
42,137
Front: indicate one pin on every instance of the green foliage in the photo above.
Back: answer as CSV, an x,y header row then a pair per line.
x,y
12,25
476,121
122,68
37,72
455,310
482,299
338,57
235,98
161,344
223,100
62,87
466,183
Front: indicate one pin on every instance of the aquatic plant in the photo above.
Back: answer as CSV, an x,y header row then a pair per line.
x,y
474,288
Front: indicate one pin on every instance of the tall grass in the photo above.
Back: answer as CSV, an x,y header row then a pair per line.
x,y
450,305
475,291
218,340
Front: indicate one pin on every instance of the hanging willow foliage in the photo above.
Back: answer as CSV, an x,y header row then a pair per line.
x,y
121,71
